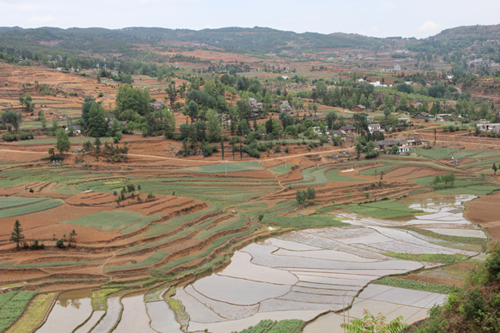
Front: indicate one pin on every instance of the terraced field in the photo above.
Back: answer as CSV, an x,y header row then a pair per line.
x,y
196,217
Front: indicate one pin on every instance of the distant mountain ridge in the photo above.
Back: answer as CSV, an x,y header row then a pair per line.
x,y
482,32
256,40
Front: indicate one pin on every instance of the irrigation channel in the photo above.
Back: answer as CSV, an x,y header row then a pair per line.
x,y
298,275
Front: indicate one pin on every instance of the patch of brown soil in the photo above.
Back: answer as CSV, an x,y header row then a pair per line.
x,y
434,280
485,211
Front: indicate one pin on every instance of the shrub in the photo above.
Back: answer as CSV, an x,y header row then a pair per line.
x,y
474,305
493,262
60,243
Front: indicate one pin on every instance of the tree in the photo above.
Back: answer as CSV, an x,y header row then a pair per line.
x,y
62,143
43,119
214,129
192,110
169,125
97,121
495,168
17,234
300,197
359,149
72,236
395,149
435,132
436,180
222,147
331,117
97,146
55,126
87,103
27,100
310,193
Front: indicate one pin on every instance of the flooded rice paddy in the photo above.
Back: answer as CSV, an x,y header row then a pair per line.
x,y
298,275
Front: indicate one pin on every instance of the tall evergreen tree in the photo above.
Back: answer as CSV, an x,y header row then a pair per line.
x,y
17,234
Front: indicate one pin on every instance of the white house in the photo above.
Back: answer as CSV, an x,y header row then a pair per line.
x,y
489,127
374,128
73,129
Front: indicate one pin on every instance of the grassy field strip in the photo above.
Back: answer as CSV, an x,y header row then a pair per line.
x,y
232,223
58,264
303,221
99,298
487,154
416,285
253,206
440,258
475,189
386,209
34,314
488,162
166,240
108,220
221,167
14,308
141,223
9,202
151,260
271,326
377,170
215,244
176,222
281,170
29,209
466,153
333,176
436,153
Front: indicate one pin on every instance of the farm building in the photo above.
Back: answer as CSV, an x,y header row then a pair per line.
x,y
359,108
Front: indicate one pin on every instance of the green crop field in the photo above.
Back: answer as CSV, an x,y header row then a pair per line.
x,y
386,209
108,220
466,153
416,285
253,206
141,223
233,223
271,326
436,153
221,167
13,308
9,202
99,298
281,170
487,154
176,222
475,189
377,170
333,176
308,221
151,260
441,258
34,314
32,208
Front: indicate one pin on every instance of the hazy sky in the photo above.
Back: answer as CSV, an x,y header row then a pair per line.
x,y
377,18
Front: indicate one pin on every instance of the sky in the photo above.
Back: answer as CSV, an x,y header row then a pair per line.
x,y
377,18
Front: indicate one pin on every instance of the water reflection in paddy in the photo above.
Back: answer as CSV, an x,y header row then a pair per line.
x,y
71,309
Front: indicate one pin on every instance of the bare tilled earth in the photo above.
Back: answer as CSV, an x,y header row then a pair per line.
x,y
485,211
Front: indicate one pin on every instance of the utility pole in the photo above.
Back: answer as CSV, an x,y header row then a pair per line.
x,y
225,164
